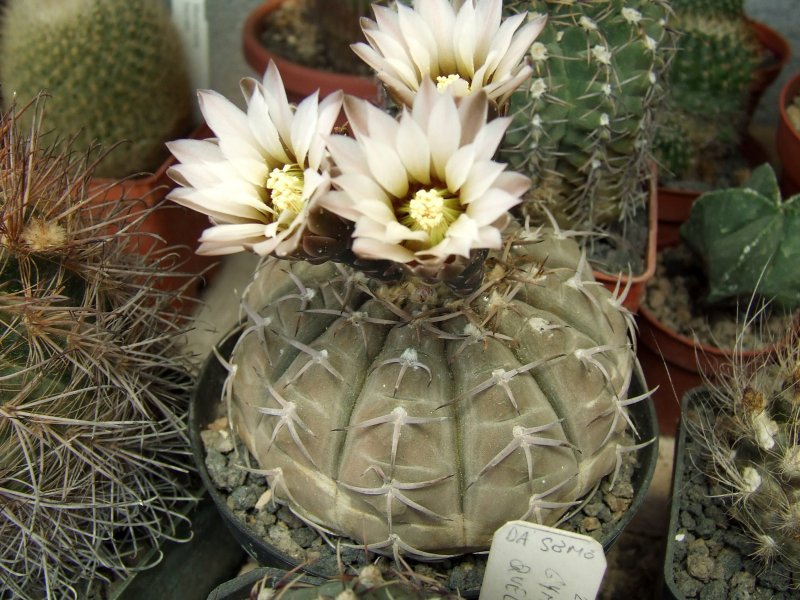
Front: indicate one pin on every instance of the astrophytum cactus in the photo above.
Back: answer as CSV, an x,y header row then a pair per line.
x,y
416,421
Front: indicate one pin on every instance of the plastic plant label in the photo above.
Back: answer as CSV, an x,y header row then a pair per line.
x,y
190,18
534,562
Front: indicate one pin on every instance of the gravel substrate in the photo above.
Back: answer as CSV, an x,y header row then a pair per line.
x,y
248,497
711,552
674,294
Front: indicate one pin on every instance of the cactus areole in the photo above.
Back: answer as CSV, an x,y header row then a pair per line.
x,y
417,421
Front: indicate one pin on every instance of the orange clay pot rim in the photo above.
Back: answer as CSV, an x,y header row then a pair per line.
x,y
652,224
794,82
254,25
708,349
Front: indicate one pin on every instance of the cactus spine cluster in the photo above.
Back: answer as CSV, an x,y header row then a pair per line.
x,y
582,129
369,584
750,429
748,239
417,421
115,70
93,394
709,83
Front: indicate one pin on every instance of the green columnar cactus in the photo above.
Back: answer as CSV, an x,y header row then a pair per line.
x,y
582,129
749,241
93,462
115,70
709,80
749,429
418,421
369,584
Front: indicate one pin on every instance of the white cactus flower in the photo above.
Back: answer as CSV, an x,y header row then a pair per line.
x,y
462,45
260,176
423,188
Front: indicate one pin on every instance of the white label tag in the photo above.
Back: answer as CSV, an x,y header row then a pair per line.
x,y
534,562
190,18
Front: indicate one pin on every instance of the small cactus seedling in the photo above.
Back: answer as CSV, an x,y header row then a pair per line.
x,y
583,126
93,394
749,241
749,428
115,70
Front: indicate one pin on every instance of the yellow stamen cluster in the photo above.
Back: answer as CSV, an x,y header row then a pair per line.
x,y
455,83
431,211
286,189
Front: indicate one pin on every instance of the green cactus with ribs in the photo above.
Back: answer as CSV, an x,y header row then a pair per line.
x,y
748,240
749,428
709,83
115,69
582,127
93,465
417,421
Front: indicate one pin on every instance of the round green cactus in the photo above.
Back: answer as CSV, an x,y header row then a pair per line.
x,y
115,70
582,129
417,421
748,427
709,81
93,465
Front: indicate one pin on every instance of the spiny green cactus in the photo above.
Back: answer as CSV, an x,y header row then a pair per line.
x,y
750,430
709,80
369,584
115,70
93,462
582,128
749,241
417,421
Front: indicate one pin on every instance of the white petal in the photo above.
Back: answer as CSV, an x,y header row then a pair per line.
x,y
378,250
386,167
264,129
304,127
414,149
491,207
275,97
458,167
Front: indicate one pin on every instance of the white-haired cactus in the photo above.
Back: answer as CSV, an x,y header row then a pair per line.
x,y
748,239
115,70
709,83
583,125
93,393
417,421
750,429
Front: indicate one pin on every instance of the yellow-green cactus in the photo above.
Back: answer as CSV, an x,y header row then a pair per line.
x,y
115,70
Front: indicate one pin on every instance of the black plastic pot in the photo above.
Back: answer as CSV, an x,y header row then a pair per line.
x,y
205,408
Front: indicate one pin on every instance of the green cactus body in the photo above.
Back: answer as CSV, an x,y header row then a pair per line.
x,y
92,445
582,129
749,241
749,429
115,70
709,81
417,421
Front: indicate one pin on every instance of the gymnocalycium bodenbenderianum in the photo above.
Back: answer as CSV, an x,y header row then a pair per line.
x,y
93,389
416,367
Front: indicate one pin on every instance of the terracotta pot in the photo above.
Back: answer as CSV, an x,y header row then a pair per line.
x,y
676,363
787,140
300,81
170,226
638,282
775,44
674,205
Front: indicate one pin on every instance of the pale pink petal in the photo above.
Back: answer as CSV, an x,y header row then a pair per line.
x,y
414,149
458,167
386,167
378,250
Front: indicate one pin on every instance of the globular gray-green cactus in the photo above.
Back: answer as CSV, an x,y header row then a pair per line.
x,y
582,128
93,392
115,70
750,430
369,584
709,82
749,241
417,421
